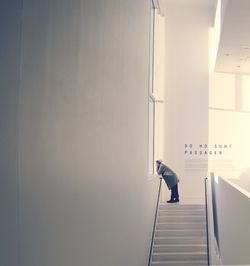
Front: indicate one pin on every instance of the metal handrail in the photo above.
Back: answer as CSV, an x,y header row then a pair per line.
x,y
206,204
153,233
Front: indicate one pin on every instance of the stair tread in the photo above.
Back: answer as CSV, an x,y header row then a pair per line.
x,y
179,261
182,206
182,262
181,230
180,245
179,222
183,253
180,237
171,239
165,207
182,209
179,212
187,215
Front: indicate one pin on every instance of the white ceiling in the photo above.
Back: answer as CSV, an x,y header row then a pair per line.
x,y
234,49
191,2
163,4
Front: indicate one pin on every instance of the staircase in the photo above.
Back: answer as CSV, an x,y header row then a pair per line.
x,y
180,236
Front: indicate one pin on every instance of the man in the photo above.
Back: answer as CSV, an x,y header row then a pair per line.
x,y
171,180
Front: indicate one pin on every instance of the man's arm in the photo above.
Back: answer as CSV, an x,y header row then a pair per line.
x,y
160,169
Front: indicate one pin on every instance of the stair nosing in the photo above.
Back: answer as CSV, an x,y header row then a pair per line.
x,y
202,262
183,253
180,237
180,230
180,245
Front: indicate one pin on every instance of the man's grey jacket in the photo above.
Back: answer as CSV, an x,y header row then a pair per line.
x,y
168,175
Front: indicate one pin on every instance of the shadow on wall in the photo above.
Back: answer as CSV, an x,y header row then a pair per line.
x,y
244,180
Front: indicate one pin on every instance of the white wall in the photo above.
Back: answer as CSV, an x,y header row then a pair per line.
x,y
186,107
244,180
233,223
9,78
214,256
84,196
229,120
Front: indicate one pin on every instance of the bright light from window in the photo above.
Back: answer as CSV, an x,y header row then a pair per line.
x,y
214,36
246,93
222,91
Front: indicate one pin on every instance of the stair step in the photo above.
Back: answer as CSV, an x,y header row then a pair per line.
x,y
182,219
181,206
176,256
180,263
180,236
172,232
180,240
180,225
182,213
179,248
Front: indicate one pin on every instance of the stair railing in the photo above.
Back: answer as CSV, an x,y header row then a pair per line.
x,y
154,227
206,205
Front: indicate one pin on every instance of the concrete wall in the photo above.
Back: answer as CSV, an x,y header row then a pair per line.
x,y
84,195
186,107
9,82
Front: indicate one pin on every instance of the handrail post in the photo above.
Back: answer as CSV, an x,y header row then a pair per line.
x,y
155,219
206,204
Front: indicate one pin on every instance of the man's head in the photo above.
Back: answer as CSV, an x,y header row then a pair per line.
x,y
158,161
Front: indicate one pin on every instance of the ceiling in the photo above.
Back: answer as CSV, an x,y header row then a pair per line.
x,y
191,2
234,49
163,4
